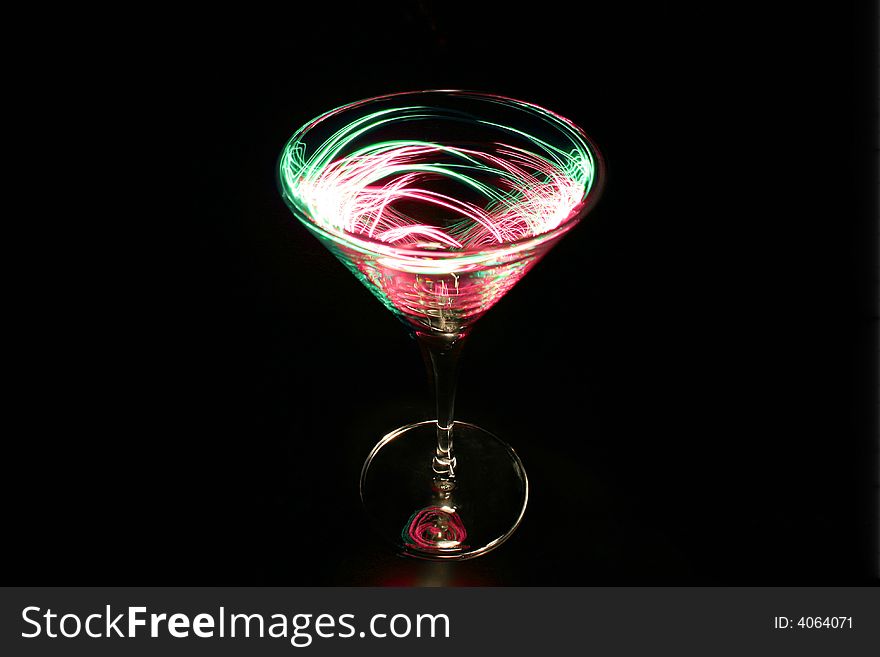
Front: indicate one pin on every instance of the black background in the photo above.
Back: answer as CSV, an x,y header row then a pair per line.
x,y
688,377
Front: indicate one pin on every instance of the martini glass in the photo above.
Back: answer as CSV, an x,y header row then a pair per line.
x,y
439,202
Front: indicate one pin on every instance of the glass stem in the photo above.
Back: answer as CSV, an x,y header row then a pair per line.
x,y
441,352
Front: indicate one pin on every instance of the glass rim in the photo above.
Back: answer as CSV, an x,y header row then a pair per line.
x,y
372,245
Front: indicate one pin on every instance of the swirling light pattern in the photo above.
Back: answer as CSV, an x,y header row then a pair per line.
x,y
435,528
437,207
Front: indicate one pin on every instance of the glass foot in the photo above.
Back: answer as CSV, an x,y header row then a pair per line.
x,y
432,516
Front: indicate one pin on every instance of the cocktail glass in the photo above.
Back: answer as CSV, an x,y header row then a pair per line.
x,y
439,202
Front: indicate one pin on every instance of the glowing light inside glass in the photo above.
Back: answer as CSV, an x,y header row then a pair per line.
x,y
435,528
439,229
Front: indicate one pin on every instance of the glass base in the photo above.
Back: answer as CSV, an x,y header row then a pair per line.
x,y
430,516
